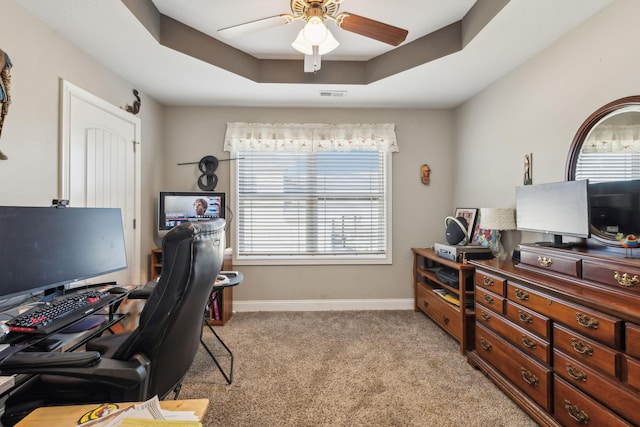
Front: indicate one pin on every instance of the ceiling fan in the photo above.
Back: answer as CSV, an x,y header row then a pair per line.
x,y
315,39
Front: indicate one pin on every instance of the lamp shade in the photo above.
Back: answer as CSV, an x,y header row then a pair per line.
x,y
302,45
497,218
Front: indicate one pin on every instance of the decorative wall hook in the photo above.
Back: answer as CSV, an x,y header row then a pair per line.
x,y
135,108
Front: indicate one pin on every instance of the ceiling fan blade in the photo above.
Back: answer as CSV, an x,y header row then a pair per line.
x,y
257,25
373,29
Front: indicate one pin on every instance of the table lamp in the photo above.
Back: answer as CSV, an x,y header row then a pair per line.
x,y
497,219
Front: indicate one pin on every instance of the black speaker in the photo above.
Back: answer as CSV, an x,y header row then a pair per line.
x,y
456,230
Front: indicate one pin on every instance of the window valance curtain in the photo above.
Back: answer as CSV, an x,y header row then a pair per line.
x,y
310,137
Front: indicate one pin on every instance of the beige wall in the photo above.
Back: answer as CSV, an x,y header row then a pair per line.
x,y
539,107
30,136
475,152
424,136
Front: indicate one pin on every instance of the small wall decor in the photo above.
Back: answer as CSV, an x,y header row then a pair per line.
x,y
528,160
207,165
425,174
5,91
135,108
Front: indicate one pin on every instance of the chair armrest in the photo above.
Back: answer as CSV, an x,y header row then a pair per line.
x,y
131,376
27,362
143,292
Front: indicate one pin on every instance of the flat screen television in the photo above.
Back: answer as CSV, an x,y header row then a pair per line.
x,y
557,208
176,207
46,247
615,207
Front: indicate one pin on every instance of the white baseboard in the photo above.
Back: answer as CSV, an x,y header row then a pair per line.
x,y
324,305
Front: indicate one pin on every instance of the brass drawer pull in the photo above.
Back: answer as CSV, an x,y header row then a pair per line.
x,y
524,317
544,261
586,321
487,281
529,378
485,316
581,347
575,413
445,319
425,304
521,295
488,299
485,344
576,374
528,342
625,279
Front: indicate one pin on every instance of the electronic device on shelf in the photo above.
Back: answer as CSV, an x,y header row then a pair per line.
x,y
454,252
450,276
557,208
176,207
51,316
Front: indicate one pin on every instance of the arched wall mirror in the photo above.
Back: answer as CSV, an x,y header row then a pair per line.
x,y
606,150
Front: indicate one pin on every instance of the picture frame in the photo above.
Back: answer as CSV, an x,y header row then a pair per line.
x,y
470,215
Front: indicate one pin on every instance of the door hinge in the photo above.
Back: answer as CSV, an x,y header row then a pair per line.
x,y
134,223
135,143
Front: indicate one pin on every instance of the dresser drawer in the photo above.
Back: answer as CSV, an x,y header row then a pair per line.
x,y
592,323
612,275
574,408
552,262
527,342
495,284
490,300
585,350
530,376
631,372
442,312
529,320
606,390
632,339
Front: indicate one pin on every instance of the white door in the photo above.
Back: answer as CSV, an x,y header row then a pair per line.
x,y
100,154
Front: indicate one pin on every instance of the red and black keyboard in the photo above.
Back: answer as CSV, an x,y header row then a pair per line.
x,y
51,316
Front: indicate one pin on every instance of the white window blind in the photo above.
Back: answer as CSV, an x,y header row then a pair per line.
x,y
305,192
605,167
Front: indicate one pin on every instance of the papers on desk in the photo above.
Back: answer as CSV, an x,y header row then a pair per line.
x,y
144,414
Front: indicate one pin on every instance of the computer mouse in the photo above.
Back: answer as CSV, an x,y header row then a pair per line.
x,y
117,290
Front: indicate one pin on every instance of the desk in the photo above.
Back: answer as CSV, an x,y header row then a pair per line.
x,y
69,415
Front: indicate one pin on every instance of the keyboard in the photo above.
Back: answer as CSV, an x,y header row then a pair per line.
x,y
51,316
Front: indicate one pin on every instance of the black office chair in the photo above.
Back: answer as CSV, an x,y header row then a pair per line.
x,y
151,360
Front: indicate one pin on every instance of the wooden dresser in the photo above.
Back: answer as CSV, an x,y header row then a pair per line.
x,y
559,333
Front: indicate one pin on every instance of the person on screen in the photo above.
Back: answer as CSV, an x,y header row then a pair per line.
x,y
200,206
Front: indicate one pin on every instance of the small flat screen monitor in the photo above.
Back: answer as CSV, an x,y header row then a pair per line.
x,y
46,247
180,206
557,208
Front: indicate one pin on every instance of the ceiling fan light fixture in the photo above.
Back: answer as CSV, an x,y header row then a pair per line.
x,y
314,31
303,46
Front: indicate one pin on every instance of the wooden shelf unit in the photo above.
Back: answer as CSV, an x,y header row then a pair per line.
x,y
226,306
456,320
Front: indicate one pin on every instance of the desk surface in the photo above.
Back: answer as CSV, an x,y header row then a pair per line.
x,y
69,415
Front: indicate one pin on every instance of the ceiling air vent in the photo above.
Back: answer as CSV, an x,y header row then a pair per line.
x,y
333,93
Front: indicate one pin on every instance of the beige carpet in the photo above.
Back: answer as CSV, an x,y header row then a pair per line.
x,y
345,368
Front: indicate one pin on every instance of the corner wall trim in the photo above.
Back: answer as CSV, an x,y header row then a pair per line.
x,y
323,305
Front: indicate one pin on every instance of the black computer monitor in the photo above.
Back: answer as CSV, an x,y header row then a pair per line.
x,y
47,247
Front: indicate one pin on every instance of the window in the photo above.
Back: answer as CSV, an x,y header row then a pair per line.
x,y
319,206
